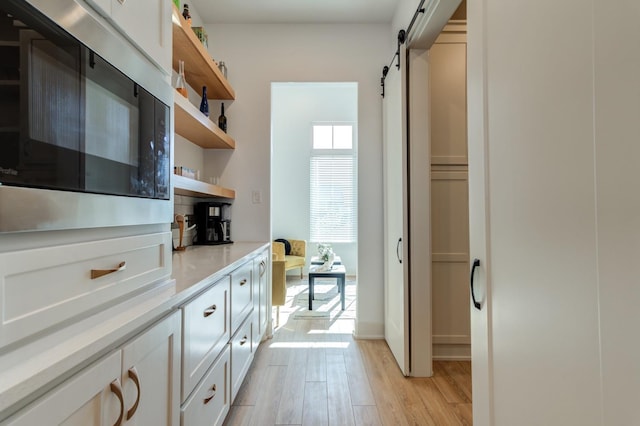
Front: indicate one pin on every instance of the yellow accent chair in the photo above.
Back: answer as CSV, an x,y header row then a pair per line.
x,y
297,258
280,264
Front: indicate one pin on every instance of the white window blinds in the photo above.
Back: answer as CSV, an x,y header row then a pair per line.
x,y
333,198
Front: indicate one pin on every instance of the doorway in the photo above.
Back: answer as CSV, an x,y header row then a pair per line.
x,y
449,193
314,141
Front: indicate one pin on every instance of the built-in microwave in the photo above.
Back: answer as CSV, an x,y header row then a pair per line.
x,y
85,122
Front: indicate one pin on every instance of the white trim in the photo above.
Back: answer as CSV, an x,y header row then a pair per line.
x,y
451,339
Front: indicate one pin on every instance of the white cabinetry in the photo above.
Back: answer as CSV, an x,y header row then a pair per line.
x,y
206,332
146,23
241,295
220,336
151,375
260,280
91,397
241,355
210,402
86,276
125,384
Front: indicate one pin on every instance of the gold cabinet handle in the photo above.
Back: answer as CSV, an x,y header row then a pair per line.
x,y
243,282
117,390
97,273
243,341
211,395
209,311
133,375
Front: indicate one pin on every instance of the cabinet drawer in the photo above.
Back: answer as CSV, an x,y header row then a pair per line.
x,y
241,295
210,402
41,288
206,332
241,355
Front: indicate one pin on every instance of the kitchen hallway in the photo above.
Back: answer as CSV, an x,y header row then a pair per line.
x,y
313,372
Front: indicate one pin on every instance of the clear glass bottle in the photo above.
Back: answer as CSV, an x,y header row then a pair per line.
x,y
204,103
223,68
181,86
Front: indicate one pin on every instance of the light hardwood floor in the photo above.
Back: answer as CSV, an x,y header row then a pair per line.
x,y
313,372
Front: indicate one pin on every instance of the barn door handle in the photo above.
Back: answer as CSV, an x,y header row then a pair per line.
x,y
398,249
476,262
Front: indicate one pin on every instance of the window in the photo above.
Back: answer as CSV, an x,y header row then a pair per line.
x,y
333,191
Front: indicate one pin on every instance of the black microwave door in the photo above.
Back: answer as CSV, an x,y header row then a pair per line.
x,y
51,125
143,179
162,150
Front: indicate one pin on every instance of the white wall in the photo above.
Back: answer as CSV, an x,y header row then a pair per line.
x,y
295,107
256,56
403,15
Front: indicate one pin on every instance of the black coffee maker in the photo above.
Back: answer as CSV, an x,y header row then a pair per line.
x,y
214,223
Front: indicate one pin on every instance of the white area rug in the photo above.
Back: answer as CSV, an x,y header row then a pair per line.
x,y
326,304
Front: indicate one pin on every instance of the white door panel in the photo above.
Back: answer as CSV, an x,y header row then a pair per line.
x,y
394,123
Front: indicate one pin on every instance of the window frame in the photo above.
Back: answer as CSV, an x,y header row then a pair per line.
x,y
316,236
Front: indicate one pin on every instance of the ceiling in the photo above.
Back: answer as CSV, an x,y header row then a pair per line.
x,y
295,11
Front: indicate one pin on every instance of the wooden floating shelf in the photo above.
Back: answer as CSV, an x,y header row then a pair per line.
x,y
190,123
199,69
194,188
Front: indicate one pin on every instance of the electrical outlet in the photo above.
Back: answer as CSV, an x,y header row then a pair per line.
x,y
256,196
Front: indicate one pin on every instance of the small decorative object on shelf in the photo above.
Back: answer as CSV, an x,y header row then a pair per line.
x,y
202,35
186,14
204,103
223,68
180,82
222,120
186,172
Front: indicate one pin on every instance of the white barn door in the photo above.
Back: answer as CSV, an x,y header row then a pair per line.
x,y
396,294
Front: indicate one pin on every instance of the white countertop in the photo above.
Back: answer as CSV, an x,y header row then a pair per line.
x,y
198,266
34,368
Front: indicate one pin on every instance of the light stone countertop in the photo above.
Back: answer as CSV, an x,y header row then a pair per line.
x,y
199,266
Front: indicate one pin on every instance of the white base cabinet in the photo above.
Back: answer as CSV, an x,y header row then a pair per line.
x,y
221,331
125,387
210,402
206,333
92,397
241,355
260,296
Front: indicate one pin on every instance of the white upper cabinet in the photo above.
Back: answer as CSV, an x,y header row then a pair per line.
x,y
146,23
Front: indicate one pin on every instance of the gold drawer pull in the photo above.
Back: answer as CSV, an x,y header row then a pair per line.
x,y
133,375
97,273
115,388
243,341
211,395
210,310
243,282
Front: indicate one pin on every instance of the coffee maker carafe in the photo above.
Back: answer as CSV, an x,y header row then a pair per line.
x,y
214,223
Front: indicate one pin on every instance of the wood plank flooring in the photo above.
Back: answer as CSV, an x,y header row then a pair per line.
x,y
313,372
